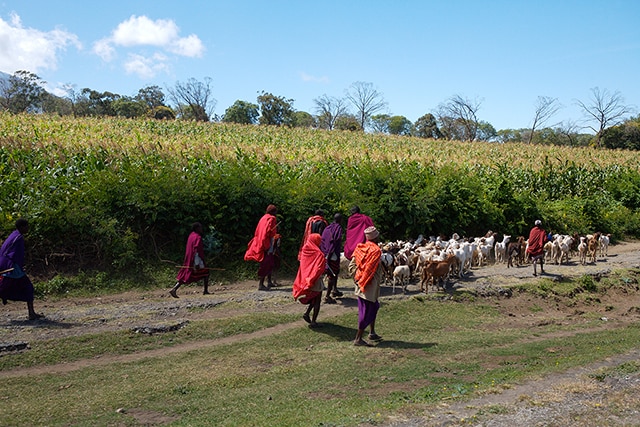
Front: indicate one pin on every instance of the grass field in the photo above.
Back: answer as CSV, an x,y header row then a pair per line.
x,y
243,367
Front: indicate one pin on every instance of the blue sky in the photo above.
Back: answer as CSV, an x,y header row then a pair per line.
x,y
416,53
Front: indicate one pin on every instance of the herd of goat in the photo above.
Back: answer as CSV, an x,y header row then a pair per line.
x,y
434,260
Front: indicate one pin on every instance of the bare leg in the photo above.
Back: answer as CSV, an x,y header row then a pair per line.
x,y
359,341
173,290
316,309
206,286
32,313
261,286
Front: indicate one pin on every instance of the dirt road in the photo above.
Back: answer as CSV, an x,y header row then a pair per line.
x,y
156,309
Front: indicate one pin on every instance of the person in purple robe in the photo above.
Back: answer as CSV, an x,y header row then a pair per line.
x,y
331,246
193,268
15,285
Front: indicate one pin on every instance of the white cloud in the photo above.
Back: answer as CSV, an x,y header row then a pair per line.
x,y
143,31
188,46
140,31
30,49
145,68
309,78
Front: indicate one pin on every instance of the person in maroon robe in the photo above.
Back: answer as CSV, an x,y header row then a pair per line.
x,y
535,247
14,283
193,268
356,224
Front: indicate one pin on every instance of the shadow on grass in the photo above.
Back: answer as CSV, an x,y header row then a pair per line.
x,y
347,334
44,323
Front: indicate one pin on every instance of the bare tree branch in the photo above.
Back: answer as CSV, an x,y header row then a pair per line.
x,y
193,99
329,109
546,107
458,118
366,99
605,109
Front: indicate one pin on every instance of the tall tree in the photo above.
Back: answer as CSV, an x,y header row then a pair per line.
x,y
151,96
242,112
546,107
302,119
458,117
348,122
380,123
275,110
605,109
90,102
22,92
427,127
328,110
129,107
486,131
400,125
193,99
366,100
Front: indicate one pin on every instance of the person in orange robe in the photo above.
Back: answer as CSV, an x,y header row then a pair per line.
x,y
261,247
367,271
307,287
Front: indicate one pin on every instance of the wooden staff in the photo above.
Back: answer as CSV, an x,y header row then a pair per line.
x,y
6,271
204,268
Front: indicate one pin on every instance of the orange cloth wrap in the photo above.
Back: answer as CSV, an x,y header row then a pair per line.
x,y
367,257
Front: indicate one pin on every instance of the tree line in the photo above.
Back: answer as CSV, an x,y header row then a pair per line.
x,y
360,109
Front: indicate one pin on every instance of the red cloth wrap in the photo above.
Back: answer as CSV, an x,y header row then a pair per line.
x,y
312,266
537,239
188,273
261,241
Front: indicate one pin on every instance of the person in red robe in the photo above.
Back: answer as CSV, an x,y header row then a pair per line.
x,y
535,247
193,268
314,224
262,248
356,224
307,287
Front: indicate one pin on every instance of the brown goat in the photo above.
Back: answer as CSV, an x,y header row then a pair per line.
x,y
433,271
592,246
515,250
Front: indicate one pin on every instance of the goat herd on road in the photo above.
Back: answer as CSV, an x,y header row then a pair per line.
x,y
433,261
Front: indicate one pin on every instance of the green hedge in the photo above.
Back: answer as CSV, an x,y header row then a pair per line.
x,y
92,209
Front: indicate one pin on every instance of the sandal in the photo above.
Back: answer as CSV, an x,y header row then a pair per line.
x,y
375,337
306,317
361,343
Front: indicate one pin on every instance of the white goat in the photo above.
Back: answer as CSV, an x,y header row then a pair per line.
x,y
604,245
582,250
565,247
401,274
501,249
